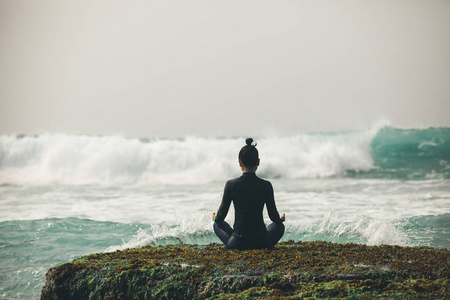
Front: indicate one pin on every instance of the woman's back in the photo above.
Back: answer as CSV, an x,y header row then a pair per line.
x,y
248,193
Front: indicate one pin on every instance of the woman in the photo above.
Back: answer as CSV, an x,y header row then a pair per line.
x,y
249,193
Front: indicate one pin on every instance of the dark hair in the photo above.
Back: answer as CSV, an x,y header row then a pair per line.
x,y
249,154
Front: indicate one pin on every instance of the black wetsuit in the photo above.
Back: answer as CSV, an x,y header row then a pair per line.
x,y
249,193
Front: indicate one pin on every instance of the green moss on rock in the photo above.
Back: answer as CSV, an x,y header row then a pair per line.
x,y
291,270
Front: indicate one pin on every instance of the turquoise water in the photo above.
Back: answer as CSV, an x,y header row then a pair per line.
x,y
411,154
64,196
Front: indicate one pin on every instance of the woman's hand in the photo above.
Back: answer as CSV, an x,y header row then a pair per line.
x,y
283,217
214,216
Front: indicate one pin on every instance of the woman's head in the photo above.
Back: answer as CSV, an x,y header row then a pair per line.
x,y
248,155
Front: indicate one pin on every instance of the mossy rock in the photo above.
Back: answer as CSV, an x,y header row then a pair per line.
x,y
292,270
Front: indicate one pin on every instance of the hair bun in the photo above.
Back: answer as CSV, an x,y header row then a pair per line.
x,y
249,142
249,154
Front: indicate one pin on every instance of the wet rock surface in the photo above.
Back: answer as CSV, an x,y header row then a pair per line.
x,y
292,270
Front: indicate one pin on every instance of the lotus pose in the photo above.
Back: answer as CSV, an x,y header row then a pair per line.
x,y
248,193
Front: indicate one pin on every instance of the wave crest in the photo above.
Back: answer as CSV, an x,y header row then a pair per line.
x,y
78,159
380,152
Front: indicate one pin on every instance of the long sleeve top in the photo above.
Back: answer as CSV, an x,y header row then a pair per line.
x,y
248,193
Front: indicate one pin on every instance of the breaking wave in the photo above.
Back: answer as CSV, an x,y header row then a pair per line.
x,y
379,152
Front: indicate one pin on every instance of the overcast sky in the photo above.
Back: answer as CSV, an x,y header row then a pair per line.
x,y
175,68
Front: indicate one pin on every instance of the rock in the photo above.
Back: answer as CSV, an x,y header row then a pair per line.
x,y
303,269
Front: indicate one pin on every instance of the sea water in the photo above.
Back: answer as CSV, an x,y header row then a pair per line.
x,y
64,196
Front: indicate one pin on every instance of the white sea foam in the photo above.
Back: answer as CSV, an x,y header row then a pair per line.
x,y
78,159
190,230
360,229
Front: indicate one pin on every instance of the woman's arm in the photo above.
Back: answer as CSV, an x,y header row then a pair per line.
x,y
225,205
272,208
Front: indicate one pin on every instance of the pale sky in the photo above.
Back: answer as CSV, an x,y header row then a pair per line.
x,y
176,68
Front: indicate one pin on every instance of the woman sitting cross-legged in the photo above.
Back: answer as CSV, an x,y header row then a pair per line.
x,y
249,193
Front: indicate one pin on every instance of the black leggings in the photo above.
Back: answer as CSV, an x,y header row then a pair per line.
x,y
225,233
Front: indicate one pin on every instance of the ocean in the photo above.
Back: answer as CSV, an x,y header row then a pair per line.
x,y
63,196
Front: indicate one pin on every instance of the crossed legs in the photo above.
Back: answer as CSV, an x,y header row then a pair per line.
x,y
224,231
